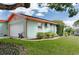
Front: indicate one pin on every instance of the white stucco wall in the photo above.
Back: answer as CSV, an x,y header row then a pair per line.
x,y
43,29
54,28
3,29
48,29
32,29
16,21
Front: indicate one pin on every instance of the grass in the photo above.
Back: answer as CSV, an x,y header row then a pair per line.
x,y
62,46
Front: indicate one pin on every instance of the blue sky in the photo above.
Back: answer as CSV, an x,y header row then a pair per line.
x,y
42,12
4,14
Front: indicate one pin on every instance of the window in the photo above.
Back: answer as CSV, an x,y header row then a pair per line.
x,y
45,25
40,25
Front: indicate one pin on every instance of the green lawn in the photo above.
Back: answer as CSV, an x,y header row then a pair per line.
x,y
61,46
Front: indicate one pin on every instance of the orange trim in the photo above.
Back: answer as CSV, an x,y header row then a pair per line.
x,y
10,18
30,18
39,20
3,21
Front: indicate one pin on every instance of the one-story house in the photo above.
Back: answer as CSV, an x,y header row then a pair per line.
x,y
29,26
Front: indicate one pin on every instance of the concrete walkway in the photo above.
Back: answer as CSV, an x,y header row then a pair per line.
x,y
41,39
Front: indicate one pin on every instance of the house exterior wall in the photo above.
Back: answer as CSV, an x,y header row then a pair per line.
x,y
53,28
3,29
17,20
43,29
50,28
32,29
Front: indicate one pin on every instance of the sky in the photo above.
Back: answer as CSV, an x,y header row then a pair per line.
x,y
41,12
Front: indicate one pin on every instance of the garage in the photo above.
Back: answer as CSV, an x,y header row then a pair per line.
x,y
15,29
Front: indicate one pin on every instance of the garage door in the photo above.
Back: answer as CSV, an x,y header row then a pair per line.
x,y
15,29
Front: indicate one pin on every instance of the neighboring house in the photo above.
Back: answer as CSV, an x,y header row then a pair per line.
x,y
27,25
76,27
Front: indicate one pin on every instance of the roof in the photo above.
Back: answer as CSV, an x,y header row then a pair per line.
x,y
29,18
3,21
39,19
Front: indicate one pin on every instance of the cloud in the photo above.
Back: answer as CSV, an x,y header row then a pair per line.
x,y
69,22
34,6
26,11
44,9
31,10
1,10
73,4
22,10
39,14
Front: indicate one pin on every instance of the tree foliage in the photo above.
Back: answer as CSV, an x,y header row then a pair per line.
x,y
76,23
64,7
60,27
13,6
69,30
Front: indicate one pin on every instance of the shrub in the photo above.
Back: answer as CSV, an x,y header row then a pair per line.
x,y
65,34
54,35
40,35
49,34
69,31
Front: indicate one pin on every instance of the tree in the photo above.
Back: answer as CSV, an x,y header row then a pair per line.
x,y
69,30
60,27
64,7
13,6
57,6
76,23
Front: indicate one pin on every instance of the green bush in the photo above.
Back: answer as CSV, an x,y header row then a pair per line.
x,y
65,34
60,28
41,35
49,34
69,30
54,35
